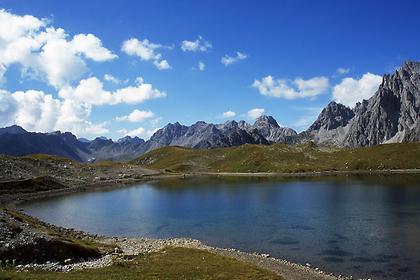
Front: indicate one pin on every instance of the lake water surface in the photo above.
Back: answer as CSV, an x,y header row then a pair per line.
x,y
364,226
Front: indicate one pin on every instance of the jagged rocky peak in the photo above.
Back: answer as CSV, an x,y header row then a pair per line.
x,y
100,141
264,121
166,134
14,129
410,67
229,125
268,127
332,116
130,140
243,125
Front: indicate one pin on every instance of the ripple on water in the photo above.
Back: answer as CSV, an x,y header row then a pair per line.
x,y
336,253
341,237
361,260
376,272
333,259
302,227
284,241
404,269
381,258
332,242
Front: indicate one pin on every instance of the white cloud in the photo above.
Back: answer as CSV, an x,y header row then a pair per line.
x,y
343,71
228,114
45,52
8,108
112,79
228,60
13,26
91,47
199,45
162,65
350,91
146,51
37,111
201,66
255,113
137,116
139,132
91,91
298,88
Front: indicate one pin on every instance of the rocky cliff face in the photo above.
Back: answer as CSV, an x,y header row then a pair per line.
x,y
331,125
332,116
392,114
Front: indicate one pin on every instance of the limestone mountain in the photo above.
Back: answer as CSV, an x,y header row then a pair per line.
x,y
391,115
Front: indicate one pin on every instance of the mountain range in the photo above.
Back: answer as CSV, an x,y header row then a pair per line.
x,y
391,115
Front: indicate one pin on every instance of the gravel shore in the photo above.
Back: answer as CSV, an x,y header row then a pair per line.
x,y
127,247
290,271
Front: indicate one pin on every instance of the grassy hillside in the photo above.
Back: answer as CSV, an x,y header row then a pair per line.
x,y
171,263
283,158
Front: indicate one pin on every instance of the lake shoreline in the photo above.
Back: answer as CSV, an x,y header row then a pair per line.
x,y
279,266
13,200
129,246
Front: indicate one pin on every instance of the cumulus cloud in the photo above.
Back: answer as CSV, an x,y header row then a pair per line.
x,y
228,60
255,113
46,52
91,91
91,47
228,114
137,116
43,51
37,111
199,45
350,91
146,51
298,88
201,66
162,65
343,71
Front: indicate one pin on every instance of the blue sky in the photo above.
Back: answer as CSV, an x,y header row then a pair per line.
x,y
287,59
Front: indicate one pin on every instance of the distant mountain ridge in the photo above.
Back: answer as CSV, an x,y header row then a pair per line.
x,y
16,141
392,114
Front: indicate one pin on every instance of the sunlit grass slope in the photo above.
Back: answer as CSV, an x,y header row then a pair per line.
x,y
283,158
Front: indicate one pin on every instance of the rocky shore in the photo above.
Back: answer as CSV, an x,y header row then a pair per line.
x,y
38,245
130,247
